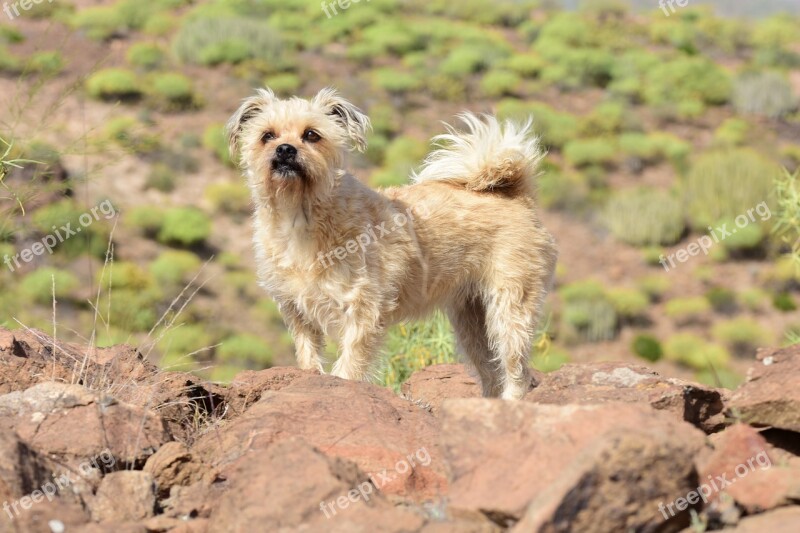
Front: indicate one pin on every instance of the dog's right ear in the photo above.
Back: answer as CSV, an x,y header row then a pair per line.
x,y
250,107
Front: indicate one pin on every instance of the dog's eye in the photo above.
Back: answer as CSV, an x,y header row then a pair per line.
x,y
311,136
268,136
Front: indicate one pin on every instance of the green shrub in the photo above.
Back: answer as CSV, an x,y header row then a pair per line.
x,y
47,63
784,302
174,267
145,218
160,24
172,91
754,299
647,347
125,275
555,128
692,80
230,198
92,239
216,140
645,217
629,304
394,81
549,361
247,349
10,35
161,178
694,352
606,119
725,184
562,191
768,94
37,286
588,315
655,286
8,62
687,310
113,84
131,135
185,226
722,300
285,84
586,152
743,239
465,60
654,148
497,83
401,156
148,56
186,340
741,335
732,133
719,377
99,22
232,40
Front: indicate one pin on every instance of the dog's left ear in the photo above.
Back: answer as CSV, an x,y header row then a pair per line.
x,y
350,117
250,107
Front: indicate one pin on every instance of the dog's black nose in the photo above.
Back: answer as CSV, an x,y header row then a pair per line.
x,y
286,152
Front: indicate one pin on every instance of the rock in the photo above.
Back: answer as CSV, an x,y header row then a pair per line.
x,y
290,483
248,386
173,465
382,433
432,385
125,496
603,382
22,470
785,520
758,482
771,394
76,425
578,468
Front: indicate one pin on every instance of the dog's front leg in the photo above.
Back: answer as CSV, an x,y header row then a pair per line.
x,y
309,342
359,343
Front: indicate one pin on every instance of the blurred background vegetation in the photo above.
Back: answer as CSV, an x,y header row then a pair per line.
x,y
657,126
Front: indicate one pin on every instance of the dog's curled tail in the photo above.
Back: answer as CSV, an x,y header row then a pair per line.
x,y
487,156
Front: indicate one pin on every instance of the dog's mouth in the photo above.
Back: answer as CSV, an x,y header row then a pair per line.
x,y
287,169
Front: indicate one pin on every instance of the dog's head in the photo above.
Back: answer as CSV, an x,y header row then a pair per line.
x,y
295,146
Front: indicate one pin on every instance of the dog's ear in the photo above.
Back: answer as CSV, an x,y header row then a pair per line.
x,y
350,117
250,107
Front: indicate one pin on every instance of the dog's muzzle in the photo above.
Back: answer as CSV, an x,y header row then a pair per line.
x,y
285,162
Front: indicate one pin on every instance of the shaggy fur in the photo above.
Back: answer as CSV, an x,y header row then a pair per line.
x,y
347,261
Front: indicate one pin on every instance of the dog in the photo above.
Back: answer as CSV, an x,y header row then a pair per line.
x,y
465,237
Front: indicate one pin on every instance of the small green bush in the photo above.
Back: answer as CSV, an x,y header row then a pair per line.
x,y
720,377
229,198
47,63
247,349
754,299
768,94
722,300
555,128
784,302
394,81
216,140
9,63
231,40
497,83
525,65
465,60
561,191
630,304
113,84
172,91
99,22
148,56
92,239
550,361
37,286
687,310
692,80
131,135
741,335
725,184
694,352
654,285
161,178
145,218
185,226
647,347
174,267
285,84
588,315
185,340
732,133
645,217
742,239
587,152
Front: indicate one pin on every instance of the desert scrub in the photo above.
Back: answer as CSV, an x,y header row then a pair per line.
x,y
145,219
562,191
754,299
130,297
497,83
607,118
47,63
787,227
131,135
745,240
692,351
549,361
743,336
114,84
184,226
229,198
37,287
232,40
92,239
719,377
98,22
587,314
687,82
685,311
172,92
629,304
654,286
599,151
647,347
556,128
394,81
401,156
180,346
722,300
148,56
412,347
732,133
648,149
247,350
726,184
161,178
645,217
173,268
215,140
768,94
284,84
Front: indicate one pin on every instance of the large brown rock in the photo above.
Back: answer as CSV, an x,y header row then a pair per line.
x,y
76,425
432,385
125,496
603,382
568,468
771,394
785,520
385,435
289,486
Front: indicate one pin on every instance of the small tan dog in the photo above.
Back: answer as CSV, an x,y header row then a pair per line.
x,y
344,260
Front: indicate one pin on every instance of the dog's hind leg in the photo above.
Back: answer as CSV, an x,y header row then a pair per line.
x,y
309,342
469,324
361,338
